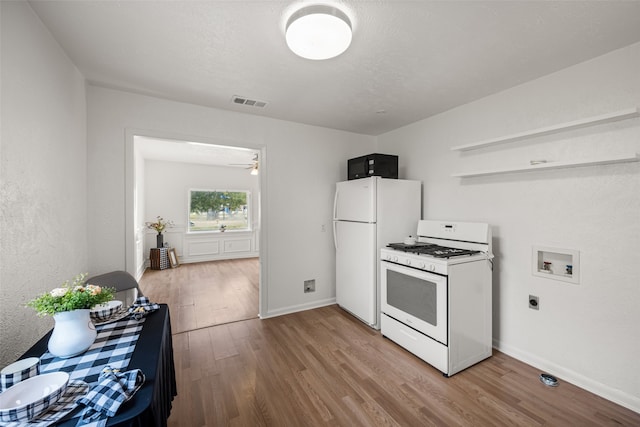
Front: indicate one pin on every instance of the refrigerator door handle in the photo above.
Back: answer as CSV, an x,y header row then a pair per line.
x,y
335,214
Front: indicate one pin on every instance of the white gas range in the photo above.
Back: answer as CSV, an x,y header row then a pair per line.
x,y
436,294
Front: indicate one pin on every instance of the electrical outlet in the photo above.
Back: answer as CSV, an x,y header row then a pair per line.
x,y
309,286
534,302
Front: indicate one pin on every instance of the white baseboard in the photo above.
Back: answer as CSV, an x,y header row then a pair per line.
x,y
621,398
192,260
141,270
299,307
206,258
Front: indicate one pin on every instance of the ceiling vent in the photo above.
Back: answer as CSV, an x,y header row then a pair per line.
x,y
250,102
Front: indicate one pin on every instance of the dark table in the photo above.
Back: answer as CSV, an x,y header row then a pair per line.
x,y
151,405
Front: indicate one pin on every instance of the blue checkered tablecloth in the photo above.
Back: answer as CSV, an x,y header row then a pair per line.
x,y
113,346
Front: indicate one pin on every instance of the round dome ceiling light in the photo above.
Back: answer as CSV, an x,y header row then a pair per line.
x,y
318,32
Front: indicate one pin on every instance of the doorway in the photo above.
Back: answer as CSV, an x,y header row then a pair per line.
x,y
212,249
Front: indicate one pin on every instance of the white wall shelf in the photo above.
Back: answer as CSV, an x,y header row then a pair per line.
x,y
553,165
547,130
557,264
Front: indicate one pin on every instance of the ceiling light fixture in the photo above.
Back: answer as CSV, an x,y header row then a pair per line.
x,y
318,32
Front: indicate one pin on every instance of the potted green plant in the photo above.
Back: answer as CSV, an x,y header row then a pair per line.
x,y
70,305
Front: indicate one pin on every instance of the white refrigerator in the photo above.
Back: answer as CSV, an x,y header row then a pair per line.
x,y
368,214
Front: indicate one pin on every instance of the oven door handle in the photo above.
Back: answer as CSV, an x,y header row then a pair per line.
x,y
407,334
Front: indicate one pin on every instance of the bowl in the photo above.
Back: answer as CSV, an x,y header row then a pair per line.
x,y
102,312
19,370
29,398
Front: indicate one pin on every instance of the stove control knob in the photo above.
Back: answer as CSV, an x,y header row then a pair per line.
x,y
432,267
388,257
395,259
408,262
422,265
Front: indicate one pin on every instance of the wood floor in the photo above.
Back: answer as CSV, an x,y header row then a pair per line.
x,y
324,368
206,294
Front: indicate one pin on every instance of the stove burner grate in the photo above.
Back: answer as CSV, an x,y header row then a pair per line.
x,y
431,249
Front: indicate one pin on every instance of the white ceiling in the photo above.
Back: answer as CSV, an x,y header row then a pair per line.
x,y
195,152
408,59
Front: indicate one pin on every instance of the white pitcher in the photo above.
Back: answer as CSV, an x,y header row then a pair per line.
x,y
72,334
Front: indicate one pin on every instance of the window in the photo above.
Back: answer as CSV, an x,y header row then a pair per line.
x,y
218,210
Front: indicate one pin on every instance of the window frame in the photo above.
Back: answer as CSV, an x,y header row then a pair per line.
x,y
249,211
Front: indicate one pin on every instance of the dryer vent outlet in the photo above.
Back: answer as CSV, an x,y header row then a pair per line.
x,y
309,286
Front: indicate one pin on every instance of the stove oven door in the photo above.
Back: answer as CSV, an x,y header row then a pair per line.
x,y
416,298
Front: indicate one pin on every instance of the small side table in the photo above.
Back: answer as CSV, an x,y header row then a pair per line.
x,y
159,258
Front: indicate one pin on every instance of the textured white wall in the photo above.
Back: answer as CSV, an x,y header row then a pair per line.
x,y
303,163
43,176
167,186
586,333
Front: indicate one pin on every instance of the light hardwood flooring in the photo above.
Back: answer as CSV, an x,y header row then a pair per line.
x,y
206,294
324,368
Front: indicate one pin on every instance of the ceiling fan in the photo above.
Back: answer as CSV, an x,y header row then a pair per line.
x,y
253,166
